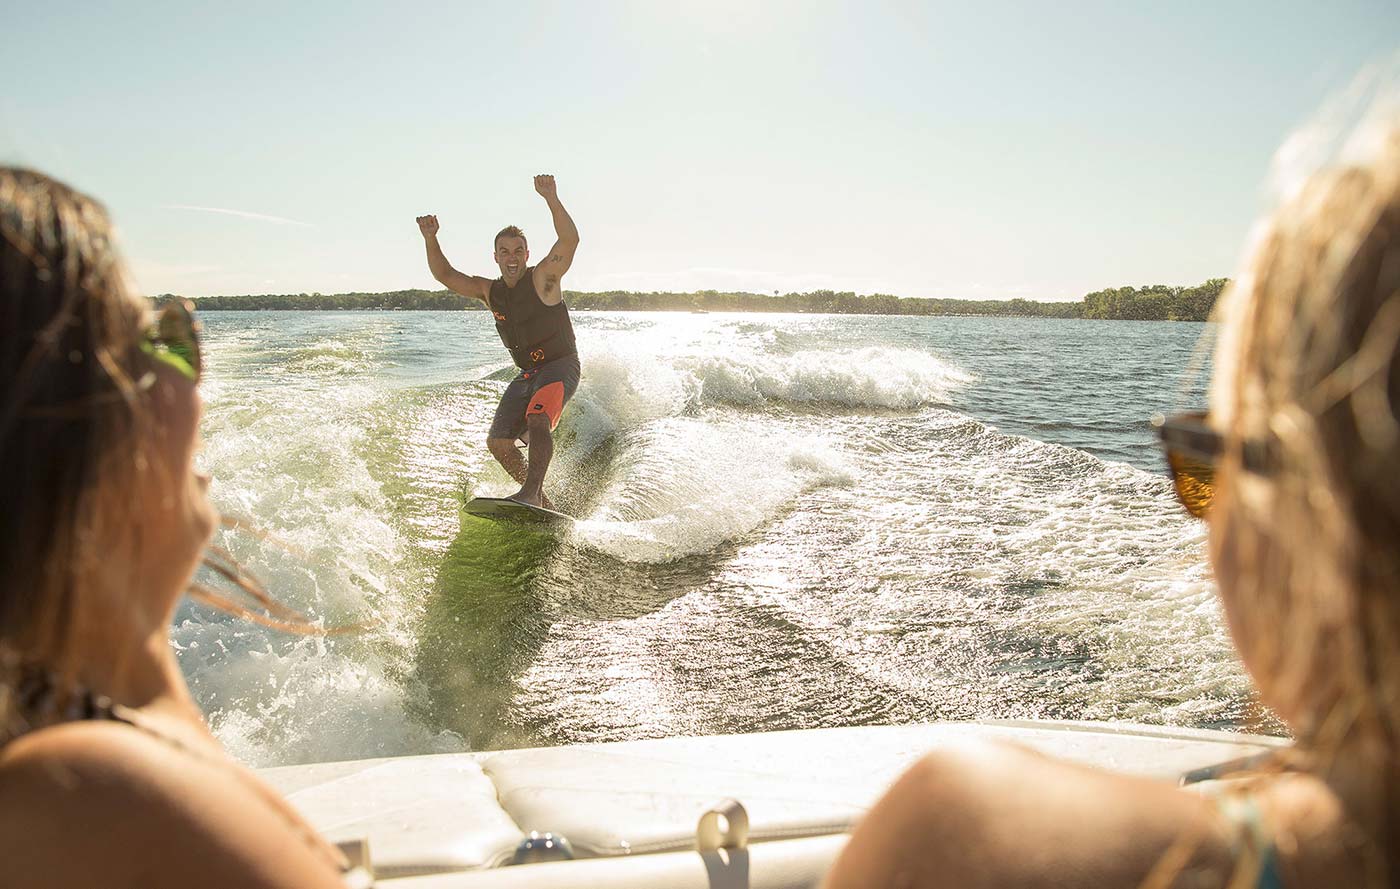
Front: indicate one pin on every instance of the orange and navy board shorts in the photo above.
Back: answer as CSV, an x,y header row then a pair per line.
x,y
540,390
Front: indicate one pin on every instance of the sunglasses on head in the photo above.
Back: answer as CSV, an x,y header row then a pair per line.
x,y
174,339
1193,449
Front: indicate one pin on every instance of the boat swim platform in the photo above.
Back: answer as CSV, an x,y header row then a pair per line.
x,y
630,809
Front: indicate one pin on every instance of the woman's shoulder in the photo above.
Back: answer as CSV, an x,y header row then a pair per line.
x,y
73,794
999,815
83,761
101,802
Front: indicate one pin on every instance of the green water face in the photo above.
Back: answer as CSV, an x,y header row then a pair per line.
x,y
484,622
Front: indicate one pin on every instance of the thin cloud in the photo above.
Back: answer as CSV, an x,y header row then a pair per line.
x,y
242,214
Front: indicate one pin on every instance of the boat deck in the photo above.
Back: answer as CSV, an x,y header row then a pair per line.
x,y
630,809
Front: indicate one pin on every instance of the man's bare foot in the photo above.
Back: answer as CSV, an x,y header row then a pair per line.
x,y
539,500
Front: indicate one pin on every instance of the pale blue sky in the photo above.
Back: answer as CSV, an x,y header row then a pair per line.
x,y
1013,149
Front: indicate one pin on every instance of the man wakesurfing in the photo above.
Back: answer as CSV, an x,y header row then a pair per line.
x,y
528,304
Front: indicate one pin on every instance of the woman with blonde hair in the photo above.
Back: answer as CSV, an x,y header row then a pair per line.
x,y
109,775
1296,470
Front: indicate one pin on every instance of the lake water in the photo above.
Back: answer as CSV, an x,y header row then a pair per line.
x,y
786,521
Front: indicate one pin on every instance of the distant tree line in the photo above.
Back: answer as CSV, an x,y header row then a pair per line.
x,y
412,300
1157,302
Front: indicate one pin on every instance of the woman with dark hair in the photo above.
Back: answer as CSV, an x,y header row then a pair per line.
x,y
1296,469
109,775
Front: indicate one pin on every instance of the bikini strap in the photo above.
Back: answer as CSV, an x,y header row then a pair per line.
x,y
1254,851
38,697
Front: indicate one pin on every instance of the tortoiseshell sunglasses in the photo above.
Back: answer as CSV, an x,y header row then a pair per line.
x,y
1192,449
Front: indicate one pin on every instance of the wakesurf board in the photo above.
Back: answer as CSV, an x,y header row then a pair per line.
x,y
503,509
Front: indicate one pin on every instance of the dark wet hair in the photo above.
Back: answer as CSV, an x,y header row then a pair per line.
x,y
510,231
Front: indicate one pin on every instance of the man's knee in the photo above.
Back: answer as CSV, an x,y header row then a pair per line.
x,y
501,447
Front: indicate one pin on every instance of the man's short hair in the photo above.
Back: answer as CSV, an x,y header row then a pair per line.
x,y
510,231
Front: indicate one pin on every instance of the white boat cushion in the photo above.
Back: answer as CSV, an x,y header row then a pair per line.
x,y
423,814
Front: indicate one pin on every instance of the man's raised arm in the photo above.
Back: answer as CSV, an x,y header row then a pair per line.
x,y
549,273
466,285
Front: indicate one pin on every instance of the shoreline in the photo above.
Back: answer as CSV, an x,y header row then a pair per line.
x,y
1152,303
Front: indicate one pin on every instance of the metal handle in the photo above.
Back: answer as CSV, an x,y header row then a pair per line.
x,y
709,836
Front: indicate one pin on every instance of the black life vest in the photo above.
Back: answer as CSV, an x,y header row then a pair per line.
x,y
533,332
